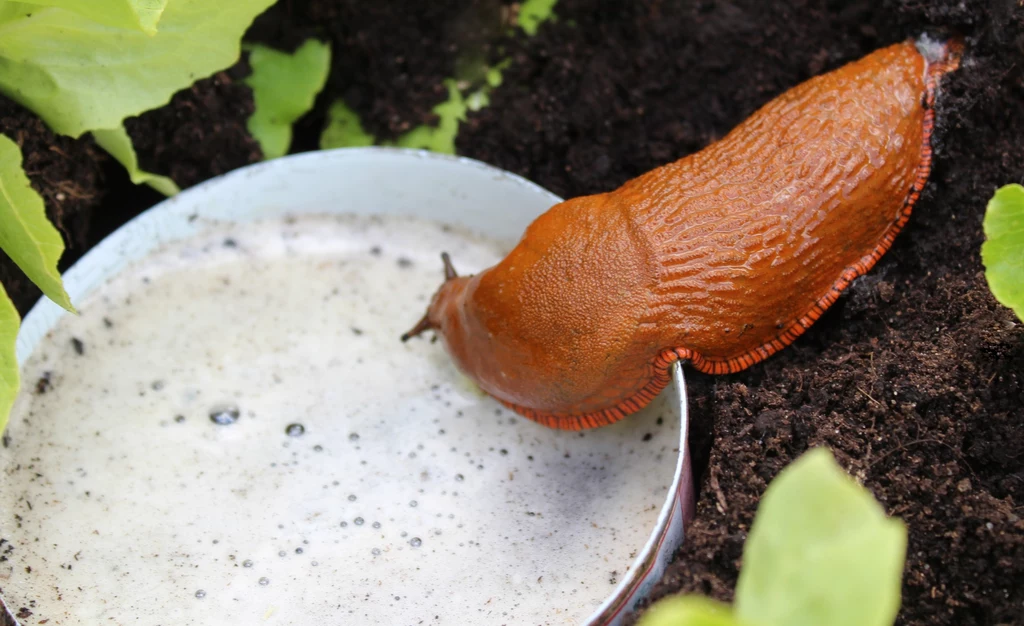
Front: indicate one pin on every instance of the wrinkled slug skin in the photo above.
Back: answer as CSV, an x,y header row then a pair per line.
x,y
720,258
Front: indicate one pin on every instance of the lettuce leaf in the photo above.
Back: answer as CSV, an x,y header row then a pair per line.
x,y
10,377
117,142
284,87
689,611
820,551
79,75
143,15
1003,250
26,235
344,129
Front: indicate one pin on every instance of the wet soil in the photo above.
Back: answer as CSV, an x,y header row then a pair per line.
x,y
914,378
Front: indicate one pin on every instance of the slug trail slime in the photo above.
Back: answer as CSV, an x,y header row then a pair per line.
x,y
721,258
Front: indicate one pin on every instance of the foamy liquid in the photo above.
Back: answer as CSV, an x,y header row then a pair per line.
x,y
232,433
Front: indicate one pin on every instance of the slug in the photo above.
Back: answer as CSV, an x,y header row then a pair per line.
x,y
720,259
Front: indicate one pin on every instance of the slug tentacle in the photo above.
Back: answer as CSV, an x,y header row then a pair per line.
x,y
449,269
721,258
421,327
425,322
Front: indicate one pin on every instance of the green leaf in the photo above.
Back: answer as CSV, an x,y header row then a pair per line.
x,y
821,551
79,75
493,77
284,87
344,130
495,74
117,142
688,611
1003,250
533,13
10,378
141,15
440,138
31,241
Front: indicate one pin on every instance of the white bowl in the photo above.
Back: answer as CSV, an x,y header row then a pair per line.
x,y
363,181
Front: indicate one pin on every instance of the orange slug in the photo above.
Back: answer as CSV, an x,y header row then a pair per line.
x,y
720,259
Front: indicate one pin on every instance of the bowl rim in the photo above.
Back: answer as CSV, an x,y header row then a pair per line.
x,y
94,268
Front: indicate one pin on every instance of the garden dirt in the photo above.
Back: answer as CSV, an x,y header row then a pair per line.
x,y
915,378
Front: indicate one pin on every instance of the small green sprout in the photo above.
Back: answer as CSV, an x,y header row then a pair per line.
x,y
284,87
821,551
344,129
533,13
1003,250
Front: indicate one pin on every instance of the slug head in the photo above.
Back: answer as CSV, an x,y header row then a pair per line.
x,y
431,320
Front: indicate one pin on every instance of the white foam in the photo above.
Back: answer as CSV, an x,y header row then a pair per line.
x,y
115,512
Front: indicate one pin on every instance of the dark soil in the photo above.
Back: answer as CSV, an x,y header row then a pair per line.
x,y
202,132
916,378
67,173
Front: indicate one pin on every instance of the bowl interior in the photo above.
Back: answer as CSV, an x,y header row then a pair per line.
x,y
405,490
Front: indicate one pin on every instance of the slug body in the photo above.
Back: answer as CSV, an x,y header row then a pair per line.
x,y
721,258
